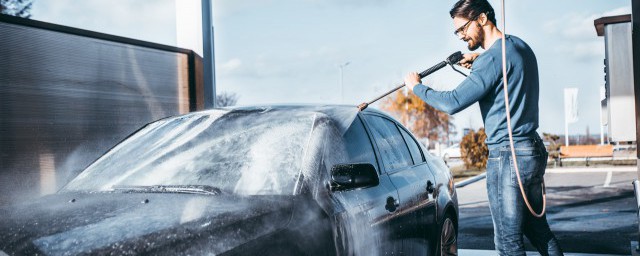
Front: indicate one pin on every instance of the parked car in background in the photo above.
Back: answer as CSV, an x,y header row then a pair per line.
x,y
269,180
452,152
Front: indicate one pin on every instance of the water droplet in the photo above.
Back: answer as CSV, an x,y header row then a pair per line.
x,y
73,200
146,201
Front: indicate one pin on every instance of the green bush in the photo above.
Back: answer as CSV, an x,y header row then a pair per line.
x,y
473,149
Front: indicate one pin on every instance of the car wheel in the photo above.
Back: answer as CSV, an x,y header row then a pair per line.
x,y
448,238
342,237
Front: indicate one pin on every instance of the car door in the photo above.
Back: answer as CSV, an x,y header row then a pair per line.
x,y
363,223
405,165
424,193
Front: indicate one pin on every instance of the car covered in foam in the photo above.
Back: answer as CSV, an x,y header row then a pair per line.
x,y
265,180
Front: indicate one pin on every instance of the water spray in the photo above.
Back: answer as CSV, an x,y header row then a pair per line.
x,y
452,59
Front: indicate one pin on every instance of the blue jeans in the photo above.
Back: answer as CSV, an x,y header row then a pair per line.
x,y
511,217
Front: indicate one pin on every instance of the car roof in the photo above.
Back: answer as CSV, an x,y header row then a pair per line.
x,y
341,115
328,109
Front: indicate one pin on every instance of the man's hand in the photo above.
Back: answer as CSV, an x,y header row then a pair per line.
x,y
411,80
467,60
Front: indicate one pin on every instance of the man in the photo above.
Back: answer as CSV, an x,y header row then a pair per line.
x,y
475,24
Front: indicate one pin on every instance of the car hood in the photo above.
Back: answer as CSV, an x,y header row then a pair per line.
x,y
125,223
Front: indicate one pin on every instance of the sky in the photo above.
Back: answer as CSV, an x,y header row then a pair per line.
x,y
289,51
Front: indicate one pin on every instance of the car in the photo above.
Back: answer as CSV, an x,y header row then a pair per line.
x,y
260,180
452,152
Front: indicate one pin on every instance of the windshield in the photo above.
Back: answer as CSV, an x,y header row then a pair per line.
x,y
240,152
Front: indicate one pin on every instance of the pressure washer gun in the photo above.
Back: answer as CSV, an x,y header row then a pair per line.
x,y
452,59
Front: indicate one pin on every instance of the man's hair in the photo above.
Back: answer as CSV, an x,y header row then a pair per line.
x,y
470,9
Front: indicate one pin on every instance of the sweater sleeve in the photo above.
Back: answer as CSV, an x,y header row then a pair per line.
x,y
483,78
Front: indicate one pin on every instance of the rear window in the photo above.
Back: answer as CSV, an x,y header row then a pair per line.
x,y
393,150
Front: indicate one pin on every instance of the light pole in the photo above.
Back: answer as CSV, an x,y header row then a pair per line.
x,y
208,63
341,66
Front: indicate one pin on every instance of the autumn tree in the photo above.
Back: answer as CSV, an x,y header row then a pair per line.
x,y
422,119
18,8
473,149
553,146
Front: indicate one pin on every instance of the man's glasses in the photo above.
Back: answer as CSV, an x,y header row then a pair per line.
x,y
464,27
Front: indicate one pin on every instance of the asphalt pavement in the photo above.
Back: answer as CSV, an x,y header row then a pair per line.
x,y
591,210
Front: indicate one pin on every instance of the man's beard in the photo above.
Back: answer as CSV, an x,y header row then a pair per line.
x,y
476,41
473,47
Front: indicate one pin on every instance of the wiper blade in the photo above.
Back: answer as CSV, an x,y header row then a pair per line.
x,y
188,189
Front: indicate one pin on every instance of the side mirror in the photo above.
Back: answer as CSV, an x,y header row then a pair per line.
x,y
352,176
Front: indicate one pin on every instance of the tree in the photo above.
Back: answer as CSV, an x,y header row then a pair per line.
x,y
225,99
422,119
473,149
18,8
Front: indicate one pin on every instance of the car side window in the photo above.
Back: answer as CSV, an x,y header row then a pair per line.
x,y
414,147
358,145
393,150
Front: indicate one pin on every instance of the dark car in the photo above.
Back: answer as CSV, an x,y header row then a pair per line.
x,y
276,180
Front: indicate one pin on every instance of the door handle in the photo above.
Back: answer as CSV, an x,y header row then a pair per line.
x,y
430,187
392,204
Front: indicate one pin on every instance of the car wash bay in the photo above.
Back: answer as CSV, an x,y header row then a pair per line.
x,y
585,198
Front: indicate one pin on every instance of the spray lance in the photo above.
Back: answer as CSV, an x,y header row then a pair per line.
x,y
452,59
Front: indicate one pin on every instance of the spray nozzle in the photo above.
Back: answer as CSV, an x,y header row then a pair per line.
x,y
454,58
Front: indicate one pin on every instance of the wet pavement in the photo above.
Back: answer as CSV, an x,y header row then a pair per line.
x,y
591,210
467,252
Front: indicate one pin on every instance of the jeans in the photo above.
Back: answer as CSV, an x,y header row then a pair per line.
x,y
511,217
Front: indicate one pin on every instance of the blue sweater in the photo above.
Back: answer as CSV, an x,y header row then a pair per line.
x,y
485,86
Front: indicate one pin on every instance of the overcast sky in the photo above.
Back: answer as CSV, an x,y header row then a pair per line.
x,y
288,51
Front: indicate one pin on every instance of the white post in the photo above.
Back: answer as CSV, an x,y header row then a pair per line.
x,y
601,128
566,132
602,97
189,25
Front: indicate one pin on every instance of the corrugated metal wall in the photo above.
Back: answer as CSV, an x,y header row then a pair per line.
x,y
68,95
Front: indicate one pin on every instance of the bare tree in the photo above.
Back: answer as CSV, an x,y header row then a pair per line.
x,y
18,8
226,99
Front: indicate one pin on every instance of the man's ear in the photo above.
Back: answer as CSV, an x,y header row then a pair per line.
x,y
482,19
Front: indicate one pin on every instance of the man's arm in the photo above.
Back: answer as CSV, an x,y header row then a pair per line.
x,y
484,76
